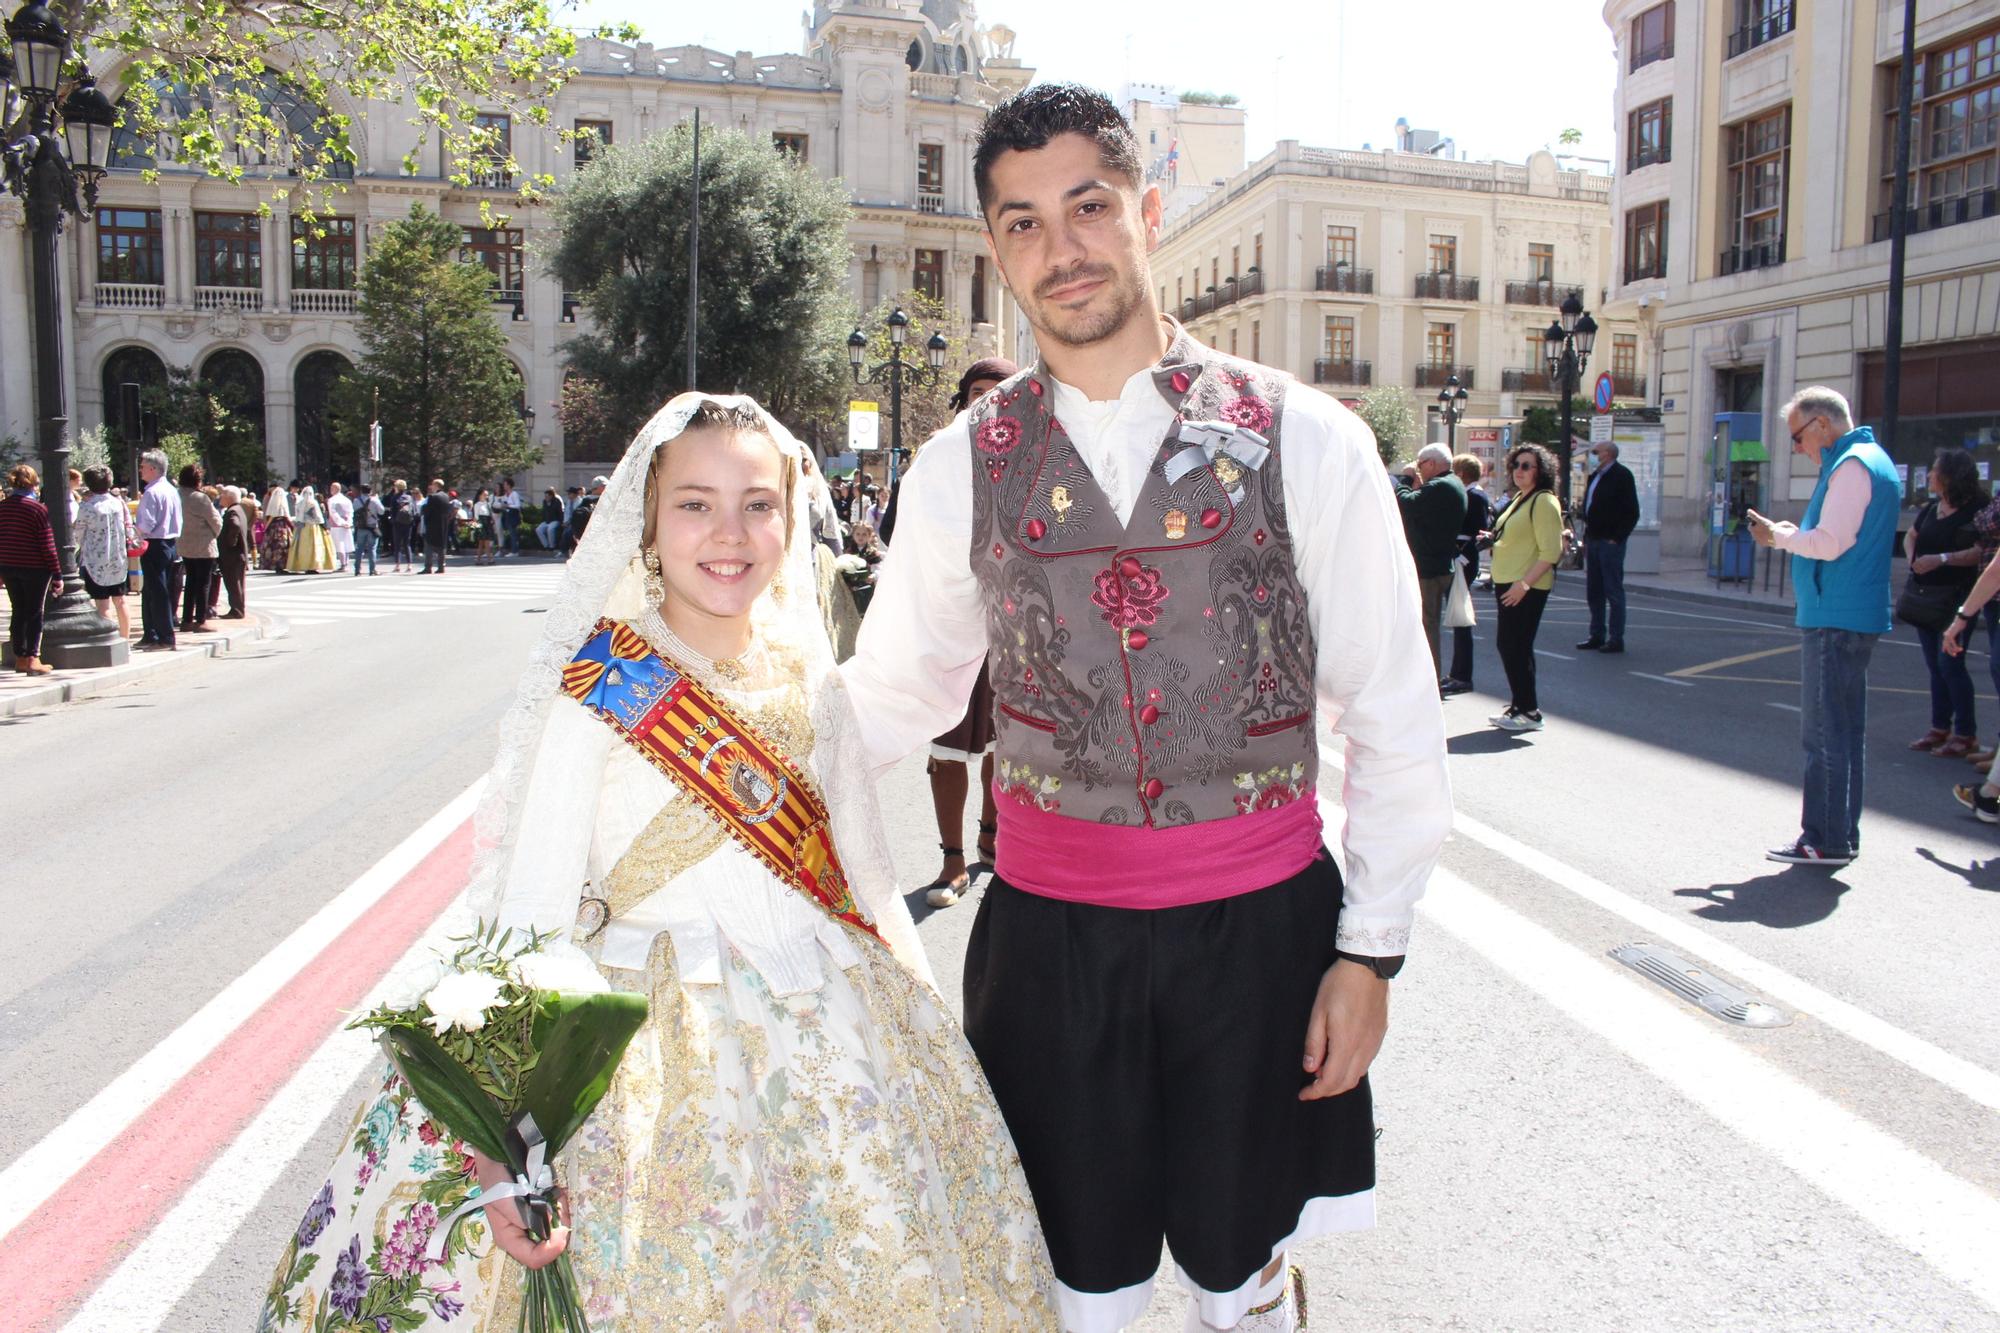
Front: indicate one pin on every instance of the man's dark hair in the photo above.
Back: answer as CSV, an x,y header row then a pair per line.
x,y
191,476
1030,118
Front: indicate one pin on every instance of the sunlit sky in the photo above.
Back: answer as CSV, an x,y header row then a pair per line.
x,y
1502,77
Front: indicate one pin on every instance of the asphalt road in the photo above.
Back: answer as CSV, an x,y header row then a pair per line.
x,y
1565,1145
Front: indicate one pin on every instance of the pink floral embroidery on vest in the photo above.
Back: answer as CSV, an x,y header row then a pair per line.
x,y
1249,413
1000,435
1270,789
1131,600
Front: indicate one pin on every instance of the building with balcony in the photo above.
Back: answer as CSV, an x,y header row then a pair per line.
x,y
1356,269
192,271
1752,202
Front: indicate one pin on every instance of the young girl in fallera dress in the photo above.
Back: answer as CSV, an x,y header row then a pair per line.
x,y
800,1137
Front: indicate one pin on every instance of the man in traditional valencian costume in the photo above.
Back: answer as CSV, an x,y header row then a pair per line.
x,y
1176,565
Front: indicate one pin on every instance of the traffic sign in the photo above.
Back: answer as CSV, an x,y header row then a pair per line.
x,y
1602,397
864,427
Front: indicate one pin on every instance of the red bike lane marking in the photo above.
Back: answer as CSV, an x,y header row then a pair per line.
x,y
54,1259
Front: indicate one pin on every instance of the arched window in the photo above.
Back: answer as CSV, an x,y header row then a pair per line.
x,y
237,379
323,450
139,366
295,117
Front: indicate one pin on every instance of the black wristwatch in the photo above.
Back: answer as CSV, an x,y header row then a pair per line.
x,y
1964,614
1385,968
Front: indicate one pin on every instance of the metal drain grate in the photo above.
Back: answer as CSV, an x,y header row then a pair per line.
x,y
1697,987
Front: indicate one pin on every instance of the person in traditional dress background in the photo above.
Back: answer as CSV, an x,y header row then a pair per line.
x,y
312,548
340,525
799,1137
274,548
1175,565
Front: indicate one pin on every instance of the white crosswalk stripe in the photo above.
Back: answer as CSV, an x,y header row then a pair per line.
x,y
335,598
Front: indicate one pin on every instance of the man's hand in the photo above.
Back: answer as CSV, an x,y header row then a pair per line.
x,y
1350,1016
504,1216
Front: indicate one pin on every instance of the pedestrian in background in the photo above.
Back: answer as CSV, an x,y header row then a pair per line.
x,y
1478,518
1942,547
1527,543
340,525
367,530
234,548
508,507
549,525
482,527
159,524
440,515
1840,576
105,537
1433,507
28,566
275,546
312,549
1610,512
201,526
401,507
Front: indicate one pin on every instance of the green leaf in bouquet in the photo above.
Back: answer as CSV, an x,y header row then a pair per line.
x,y
452,1096
578,1040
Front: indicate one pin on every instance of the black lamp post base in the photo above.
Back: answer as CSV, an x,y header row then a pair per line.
x,y
76,638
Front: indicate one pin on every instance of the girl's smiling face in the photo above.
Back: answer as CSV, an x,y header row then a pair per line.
x,y
719,528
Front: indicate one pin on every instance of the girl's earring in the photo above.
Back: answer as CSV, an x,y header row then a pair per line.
x,y
656,579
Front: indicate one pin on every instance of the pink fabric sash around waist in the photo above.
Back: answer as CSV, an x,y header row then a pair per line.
x,y
1114,865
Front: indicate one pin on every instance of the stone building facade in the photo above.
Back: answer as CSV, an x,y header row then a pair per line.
x,y
886,95
1752,207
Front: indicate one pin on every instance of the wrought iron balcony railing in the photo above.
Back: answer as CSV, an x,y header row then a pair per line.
x,y
1446,287
1344,278
1330,370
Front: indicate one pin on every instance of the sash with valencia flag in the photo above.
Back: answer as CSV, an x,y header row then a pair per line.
x,y
753,791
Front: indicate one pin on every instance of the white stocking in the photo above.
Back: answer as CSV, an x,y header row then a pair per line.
x,y
1272,1308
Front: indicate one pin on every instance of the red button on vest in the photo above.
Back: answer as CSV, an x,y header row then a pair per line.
x,y
1211,518
1181,381
1130,567
1149,715
1036,529
1153,788
1035,387
1136,640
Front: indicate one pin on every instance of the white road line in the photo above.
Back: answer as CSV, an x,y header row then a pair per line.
x,y
1950,1223
161,1269
303,622
1543,652
33,1177
1789,708
1954,1072
1664,680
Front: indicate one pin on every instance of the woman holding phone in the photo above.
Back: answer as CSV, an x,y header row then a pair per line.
x,y
1527,542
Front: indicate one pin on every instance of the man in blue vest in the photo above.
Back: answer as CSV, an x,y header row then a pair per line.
x,y
1840,572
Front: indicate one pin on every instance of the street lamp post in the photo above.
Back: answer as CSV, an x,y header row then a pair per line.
x,y
1567,344
894,372
63,153
1451,401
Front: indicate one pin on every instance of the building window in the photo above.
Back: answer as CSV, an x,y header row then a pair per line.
x,y
323,255
129,246
1649,134
1653,35
1759,166
795,145
1214,274
1232,342
930,177
1441,346
591,135
490,168
928,275
1444,254
499,248
1340,247
1339,341
1646,242
1541,262
227,250
979,290
1235,262
1257,254
1757,22
1256,340
1954,135
1537,352
1180,290
1624,355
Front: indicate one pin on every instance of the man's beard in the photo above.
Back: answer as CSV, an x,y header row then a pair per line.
x,y
1082,330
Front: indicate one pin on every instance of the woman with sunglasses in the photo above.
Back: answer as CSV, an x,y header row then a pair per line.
x,y
1527,542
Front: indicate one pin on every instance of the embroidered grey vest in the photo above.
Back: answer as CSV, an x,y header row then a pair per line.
x,y
1159,672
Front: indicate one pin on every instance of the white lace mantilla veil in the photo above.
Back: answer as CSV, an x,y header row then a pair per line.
x,y
605,578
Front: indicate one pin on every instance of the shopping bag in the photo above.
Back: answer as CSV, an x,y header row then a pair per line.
x,y
1458,612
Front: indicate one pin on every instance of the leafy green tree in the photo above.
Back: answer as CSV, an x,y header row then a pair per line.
x,y
199,70
1570,138
450,398
774,311
1391,413
196,413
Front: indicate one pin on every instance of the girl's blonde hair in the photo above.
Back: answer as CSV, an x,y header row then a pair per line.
x,y
714,416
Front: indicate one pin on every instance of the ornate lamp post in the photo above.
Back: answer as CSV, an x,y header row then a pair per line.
x,y
1451,401
894,372
62,155
1567,345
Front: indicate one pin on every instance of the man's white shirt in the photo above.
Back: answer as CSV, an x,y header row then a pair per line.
x,y
924,638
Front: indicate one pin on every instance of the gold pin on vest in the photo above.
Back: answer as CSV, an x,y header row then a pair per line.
x,y
1059,500
1176,521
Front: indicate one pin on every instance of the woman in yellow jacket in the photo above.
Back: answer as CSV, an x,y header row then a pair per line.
x,y
1527,542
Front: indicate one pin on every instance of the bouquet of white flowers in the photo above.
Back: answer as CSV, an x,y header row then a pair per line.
x,y
511,1051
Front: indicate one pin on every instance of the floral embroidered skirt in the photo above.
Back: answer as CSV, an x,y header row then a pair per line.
x,y
829,1160
276,545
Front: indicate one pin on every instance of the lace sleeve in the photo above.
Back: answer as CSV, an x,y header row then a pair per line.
x,y
544,877
841,765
